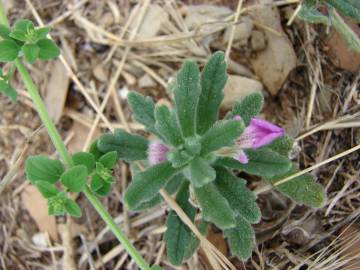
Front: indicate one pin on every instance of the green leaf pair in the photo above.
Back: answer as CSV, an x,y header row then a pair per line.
x,y
24,39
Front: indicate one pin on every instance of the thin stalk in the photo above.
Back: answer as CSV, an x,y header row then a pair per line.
x,y
65,156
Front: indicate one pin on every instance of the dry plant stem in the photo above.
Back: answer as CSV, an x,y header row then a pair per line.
x,y
236,18
64,154
317,165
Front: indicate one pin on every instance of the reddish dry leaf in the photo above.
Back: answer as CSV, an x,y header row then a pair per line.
x,y
80,132
56,91
340,55
37,208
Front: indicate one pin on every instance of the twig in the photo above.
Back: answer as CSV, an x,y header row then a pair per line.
x,y
233,28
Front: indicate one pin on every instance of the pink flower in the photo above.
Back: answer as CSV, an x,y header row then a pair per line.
x,y
259,133
157,152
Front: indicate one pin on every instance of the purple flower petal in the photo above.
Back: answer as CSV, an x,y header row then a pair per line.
x,y
157,152
241,157
259,133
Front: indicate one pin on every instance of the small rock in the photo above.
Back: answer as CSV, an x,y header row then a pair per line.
x,y
274,63
238,87
152,21
146,81
258,40
100,73
40,240
242,31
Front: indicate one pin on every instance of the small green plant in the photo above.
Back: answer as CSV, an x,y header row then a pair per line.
x,y
326,12
87,172
197,157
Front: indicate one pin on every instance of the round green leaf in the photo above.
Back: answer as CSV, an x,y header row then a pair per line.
x,y
8,50
75,178
4,31
104,190
31,52
41,168
24,25
46,189
18,35
48,49
109,159
84,158
72,208
96,182
8,90
42,32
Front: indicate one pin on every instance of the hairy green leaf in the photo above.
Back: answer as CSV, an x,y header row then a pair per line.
x,y
221,134
46,189
215,207
213,80
48,49
302,189
8,50
309,12
249,107
75,178
263,162
201,173
41,168
349,8
194,242
282,145
241,238
171,187
179,158
129,147
84,158
143,110
178,235
187,92
241,199
146,185
167,126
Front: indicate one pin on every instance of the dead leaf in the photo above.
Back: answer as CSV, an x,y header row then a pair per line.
x,y
238,87
80,132
56,91
275,62
300,232
155,16
242,32
350,240
340,54
36,205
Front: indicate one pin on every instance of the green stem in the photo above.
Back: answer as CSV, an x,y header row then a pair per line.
x,y
64,154
44,116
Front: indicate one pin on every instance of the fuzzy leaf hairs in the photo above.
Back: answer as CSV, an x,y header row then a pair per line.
x,y
197,156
